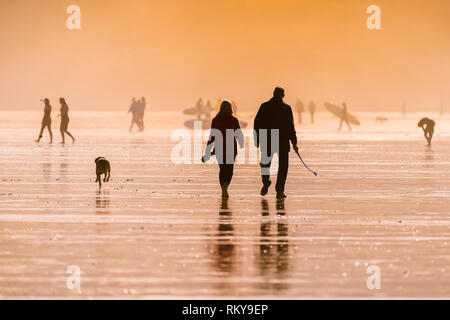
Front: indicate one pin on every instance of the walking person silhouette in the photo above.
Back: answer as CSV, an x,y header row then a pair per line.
x,y
300,108
134,113
46,120
312,110
274,130
140,113
225,130
64,120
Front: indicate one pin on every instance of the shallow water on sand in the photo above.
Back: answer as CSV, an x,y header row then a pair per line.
x,y
158,229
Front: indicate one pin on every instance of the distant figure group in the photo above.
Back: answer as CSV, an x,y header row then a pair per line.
x,y
137,110
207,109
273,117
47,120
204,110
300,108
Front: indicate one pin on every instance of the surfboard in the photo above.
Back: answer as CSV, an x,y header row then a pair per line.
x,y
337,111
206,124
195,111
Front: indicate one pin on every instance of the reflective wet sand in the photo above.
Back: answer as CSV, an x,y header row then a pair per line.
x,y
160,230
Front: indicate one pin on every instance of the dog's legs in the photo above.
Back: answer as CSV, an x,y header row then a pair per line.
x,y
109,175
99,180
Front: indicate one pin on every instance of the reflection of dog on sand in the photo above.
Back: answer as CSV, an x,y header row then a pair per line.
x,y
102,167
381,119
102,201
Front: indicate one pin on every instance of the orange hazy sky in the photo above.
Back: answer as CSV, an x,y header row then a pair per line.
x,y
173,52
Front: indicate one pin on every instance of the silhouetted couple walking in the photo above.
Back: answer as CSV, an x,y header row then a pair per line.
x,y
274,130
137,109
47,120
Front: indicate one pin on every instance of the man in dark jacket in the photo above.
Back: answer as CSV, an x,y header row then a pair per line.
x,y
274,130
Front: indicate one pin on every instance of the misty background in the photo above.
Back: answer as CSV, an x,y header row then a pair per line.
x,y
173,52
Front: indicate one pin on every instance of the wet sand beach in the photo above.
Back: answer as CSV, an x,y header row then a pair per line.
x,y
161,230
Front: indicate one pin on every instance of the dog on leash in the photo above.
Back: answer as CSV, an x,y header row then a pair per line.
x,y
102,167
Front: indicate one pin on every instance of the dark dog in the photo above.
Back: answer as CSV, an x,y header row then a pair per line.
x,y
102,167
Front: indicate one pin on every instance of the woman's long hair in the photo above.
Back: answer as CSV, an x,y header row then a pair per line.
x,y
64,106
225,109
47,104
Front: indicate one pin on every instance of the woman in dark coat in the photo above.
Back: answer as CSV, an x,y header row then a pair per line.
x,y
64,120
225,133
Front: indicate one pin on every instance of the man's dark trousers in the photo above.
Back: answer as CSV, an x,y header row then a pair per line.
x,y
283,165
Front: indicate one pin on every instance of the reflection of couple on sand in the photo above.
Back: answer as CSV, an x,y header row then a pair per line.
x,y
272,115
137,109
273,248
47,120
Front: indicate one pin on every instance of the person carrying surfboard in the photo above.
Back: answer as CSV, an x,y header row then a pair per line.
x,y
427,125
344,117
275,121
